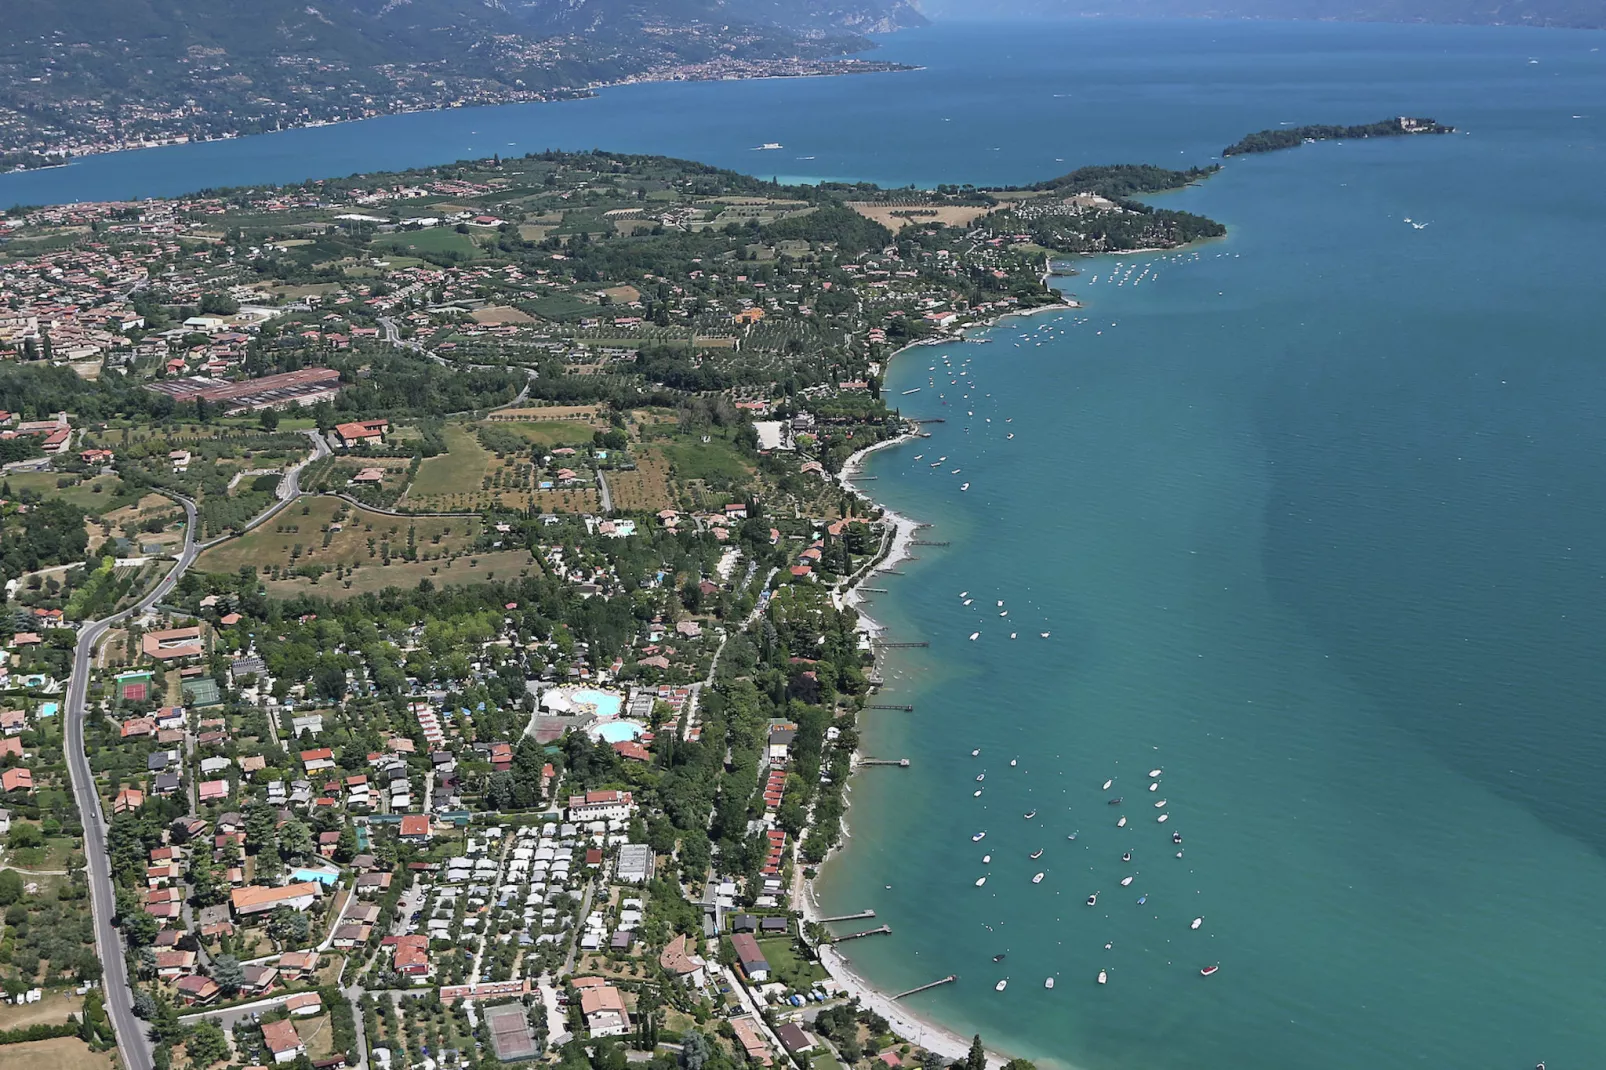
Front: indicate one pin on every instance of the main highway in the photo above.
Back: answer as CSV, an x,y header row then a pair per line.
x,y
133,1041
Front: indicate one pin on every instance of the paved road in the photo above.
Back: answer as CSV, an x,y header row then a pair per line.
x,y
602,488
133,1042
133,1045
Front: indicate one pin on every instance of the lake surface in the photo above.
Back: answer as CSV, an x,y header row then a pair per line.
x,y
1314,517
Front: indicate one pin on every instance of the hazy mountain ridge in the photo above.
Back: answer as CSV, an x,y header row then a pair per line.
x,y
91,75
1570,14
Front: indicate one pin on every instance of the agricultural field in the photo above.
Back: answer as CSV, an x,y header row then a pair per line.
x,y
897,216
717,462
645,489
367,579
551,433
469,477
330,532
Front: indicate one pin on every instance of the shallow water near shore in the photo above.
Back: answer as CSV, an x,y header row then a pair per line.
x,y
1313,519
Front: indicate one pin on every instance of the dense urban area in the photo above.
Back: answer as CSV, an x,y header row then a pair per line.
x,y
427,634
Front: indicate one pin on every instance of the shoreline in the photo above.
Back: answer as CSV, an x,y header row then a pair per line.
x,y
913,1026
70,157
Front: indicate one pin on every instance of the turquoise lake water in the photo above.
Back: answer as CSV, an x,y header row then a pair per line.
x,y
1313,516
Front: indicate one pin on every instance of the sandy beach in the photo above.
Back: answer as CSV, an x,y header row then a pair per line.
x,y
907,1023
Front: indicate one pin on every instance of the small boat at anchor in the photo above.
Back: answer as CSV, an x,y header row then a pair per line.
x,y
1126,882
1001,956
1049,983
976,753
1029,814
1176,837
1127,857
1035,855
1159,804
1103,976
977,838
1001,985
1107,784
1195,923
1153,773
1093,900
1038,879
1121,822
1163,818
1208,970
1117,800
980,881
1144,898
980,777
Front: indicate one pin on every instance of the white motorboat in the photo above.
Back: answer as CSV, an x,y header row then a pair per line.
x,y
1195,923
1163,818
976,794
1001,985
977,838
986,858
1126,882
980,881
1154,787
980,777
964,486
1035,855
1038,879
1154,773
1049,983
1093,900
1103,977
974,636
976,752
1028,815
1159,804
1014,761
968,601
1107,783
1120,822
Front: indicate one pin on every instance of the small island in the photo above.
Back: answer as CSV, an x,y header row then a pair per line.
x,y
1290,137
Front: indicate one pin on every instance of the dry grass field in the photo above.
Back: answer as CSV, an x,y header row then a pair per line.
x,y
274,543
478,568
948,215
647,488
500,314
62,1053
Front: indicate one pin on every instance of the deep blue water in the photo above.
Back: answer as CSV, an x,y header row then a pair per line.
x,y
1314,520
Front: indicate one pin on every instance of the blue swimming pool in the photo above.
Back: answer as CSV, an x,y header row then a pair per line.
x,y
619,731
607,703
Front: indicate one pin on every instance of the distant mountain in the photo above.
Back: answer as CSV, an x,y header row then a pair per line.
x,y
93,75
1576,14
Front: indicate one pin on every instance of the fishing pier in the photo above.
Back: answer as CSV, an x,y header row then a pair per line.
x,y
952,977
878,930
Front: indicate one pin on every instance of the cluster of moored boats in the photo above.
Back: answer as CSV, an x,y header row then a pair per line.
x,y
1154,787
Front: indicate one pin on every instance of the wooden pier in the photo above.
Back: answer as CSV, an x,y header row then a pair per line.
x,y
878,930
901,762
903,646
923,542
890,706
873,590
952,977
861,915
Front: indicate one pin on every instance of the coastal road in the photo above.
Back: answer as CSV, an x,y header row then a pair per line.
x,y
133,1044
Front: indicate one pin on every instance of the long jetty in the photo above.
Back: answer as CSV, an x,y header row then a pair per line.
x,y
901,762
946,980
877,931
890,706
924,542
849,917
902,646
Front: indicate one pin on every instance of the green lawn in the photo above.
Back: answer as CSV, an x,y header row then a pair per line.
x,y
787,967
433,240
459,470
575,433
111,494
715,461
